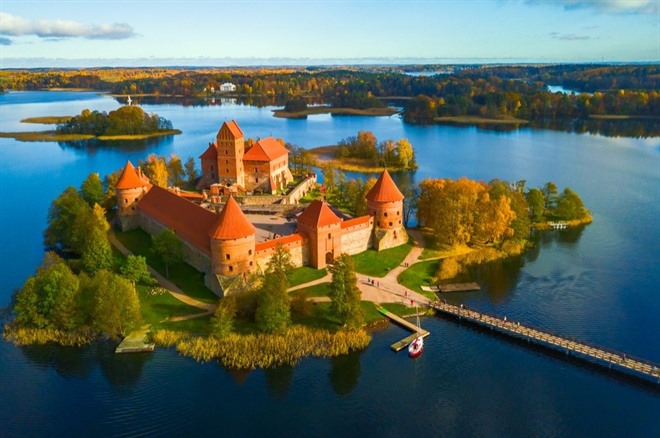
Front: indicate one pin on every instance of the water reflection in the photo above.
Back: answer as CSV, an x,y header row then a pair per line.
x,y
78,362
93,146
278,380
345,372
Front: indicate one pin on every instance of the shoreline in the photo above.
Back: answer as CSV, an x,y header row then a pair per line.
x,y
387,111
477,120
322,156
35,136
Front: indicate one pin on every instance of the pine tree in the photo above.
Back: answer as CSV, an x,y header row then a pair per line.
x,y
344,293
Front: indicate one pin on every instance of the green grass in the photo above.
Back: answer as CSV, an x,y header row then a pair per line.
x,y
304,275
155,309
197,326
189,279
371,313
420,274
321,318
379,263
318,290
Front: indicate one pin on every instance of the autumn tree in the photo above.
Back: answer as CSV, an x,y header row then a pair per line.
x,y
175,172
116,306
168,247
344,294
156,169
405,154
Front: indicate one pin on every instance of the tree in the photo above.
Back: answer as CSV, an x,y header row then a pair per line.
x,y
280,261
62,216
536,203
410,200
48,298
222,322
190,169
116,304
344,293
109,182
360,206
156,169
405,154
91,190
135,269
273,306
570,206
168,247
96,253
175,171
549,191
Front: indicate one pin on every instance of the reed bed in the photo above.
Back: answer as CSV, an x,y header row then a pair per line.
x,y
38,336
266,350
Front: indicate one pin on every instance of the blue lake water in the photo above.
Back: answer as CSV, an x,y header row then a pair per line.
x,y
599,284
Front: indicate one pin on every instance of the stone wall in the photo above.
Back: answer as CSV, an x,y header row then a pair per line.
x,y
299,250
191,255
384,239
301,190
356,239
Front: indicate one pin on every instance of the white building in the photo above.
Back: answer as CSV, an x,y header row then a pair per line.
x,y
227,87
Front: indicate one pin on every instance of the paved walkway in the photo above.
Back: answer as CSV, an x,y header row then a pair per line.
x,y
172,288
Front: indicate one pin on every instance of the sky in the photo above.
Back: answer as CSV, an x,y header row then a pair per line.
x,y
87,33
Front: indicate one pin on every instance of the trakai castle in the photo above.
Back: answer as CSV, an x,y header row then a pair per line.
x,y
224,245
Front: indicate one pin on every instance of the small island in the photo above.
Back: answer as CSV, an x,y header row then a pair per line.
x,y
357,104
125,123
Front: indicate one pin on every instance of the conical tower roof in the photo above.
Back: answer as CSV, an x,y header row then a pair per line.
x,y
130,179
318,214
232,223
385,190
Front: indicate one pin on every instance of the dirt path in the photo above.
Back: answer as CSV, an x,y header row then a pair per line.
x,y
167,284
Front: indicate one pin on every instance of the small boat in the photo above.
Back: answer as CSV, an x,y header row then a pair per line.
x,y
416,347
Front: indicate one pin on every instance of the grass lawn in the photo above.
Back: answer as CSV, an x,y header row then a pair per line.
x,y
318,290
379,263
371,313
189,279
304,275
197,326
321,318
157,308
420,274
398,309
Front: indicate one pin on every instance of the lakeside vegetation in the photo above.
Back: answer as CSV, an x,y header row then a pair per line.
x,y
476,91
302,114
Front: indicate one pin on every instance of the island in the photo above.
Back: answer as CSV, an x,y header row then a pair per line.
x,y
126,123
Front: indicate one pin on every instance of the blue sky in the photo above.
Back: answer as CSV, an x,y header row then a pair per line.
x,y
198,32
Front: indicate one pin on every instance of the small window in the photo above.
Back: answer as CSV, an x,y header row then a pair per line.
x,y
399,221
329,236
226,152
227,256
133,208
398,213
136,199
385,214
227,170
226,161
125,201
250,263
390,224
250,253
231,269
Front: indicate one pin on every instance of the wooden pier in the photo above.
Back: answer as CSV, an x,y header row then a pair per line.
x,y
403,343
459,287
605,357
136,342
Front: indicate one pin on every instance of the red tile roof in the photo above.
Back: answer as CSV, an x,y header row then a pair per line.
x,y
189,221
355,221
130,179
232,223
280,240
318,214
233,128
385,190
266,149
211,153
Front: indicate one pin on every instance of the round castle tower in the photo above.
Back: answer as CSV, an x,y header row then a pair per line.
x,y
385,204
232,242
130,188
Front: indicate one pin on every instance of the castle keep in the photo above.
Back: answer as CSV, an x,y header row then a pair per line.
x,y
224,245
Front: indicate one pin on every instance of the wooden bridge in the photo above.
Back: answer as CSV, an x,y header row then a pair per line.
x,y
604,357
403,343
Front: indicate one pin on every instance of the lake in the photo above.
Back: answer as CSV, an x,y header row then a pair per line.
x,y
598,284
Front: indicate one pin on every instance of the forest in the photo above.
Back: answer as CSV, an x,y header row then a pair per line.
x,y
126,120
491,92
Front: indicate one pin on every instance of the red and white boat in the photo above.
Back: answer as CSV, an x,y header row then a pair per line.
x,y
416,347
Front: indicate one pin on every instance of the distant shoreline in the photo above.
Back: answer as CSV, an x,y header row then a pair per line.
x,y
387,111
54,136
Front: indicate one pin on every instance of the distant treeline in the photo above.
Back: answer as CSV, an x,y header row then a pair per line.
x,y
127,120
485,91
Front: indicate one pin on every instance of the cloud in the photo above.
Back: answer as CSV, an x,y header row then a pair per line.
x,y
17,26
610,6
5,41
569,36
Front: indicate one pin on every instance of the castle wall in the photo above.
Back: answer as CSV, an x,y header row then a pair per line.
x,y
356,238
301,190
384,239
196,258
233,256
298,249
388,215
